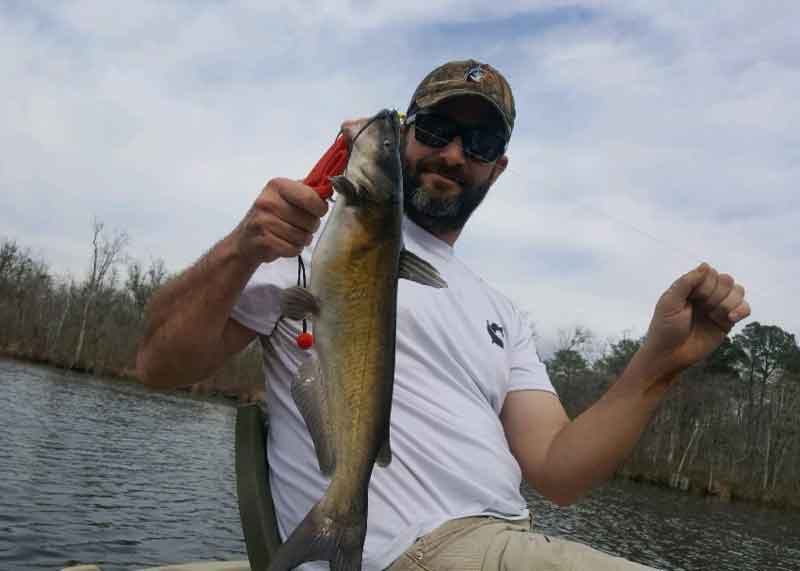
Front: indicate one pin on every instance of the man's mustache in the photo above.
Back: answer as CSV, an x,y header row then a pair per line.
x,y
437,166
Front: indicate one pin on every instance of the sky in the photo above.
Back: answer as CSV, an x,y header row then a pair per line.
x,y
650,136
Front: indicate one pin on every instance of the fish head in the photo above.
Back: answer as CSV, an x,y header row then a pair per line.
x,y
374,166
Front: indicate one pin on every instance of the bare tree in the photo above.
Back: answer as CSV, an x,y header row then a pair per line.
x,y
106,252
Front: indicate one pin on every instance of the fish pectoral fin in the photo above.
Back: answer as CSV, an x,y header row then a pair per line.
x,y
344,186
414,268
311,397
384,454
298,303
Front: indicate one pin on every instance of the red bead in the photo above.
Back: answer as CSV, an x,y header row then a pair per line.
x,y
305,340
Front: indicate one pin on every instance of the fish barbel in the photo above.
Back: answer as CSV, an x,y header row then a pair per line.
x,y
344,389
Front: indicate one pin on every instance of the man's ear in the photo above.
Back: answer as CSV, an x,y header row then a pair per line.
x,y
499,166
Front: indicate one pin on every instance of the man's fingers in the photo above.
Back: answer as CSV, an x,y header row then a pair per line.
x,y
297,217
740,312
686,284
281,222
724,293
731,305
723,288
703,291
283,248
303,197
726,312
289,233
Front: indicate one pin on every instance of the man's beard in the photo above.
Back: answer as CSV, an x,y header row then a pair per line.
x,y
440,214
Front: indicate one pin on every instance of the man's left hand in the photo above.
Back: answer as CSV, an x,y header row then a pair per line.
x,y
692,318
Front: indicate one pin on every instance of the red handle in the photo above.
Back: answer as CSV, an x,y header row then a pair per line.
x,y
331,164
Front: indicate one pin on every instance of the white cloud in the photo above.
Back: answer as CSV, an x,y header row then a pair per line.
x,y
648,136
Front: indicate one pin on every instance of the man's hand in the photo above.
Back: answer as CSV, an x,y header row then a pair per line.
x,y
280,223
692,318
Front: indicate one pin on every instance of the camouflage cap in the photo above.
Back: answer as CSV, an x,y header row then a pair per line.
x,y
467,77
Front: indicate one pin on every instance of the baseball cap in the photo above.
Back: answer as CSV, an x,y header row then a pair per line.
x,y
466,77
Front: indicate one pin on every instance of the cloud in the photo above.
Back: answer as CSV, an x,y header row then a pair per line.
x,y
649,136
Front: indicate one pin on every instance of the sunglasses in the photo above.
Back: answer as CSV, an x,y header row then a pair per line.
x,y
484,144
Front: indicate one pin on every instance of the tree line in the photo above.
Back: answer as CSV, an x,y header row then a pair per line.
x,y
730,427
94,324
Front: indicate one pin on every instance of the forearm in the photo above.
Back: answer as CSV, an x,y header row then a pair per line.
x,y
186,318
587,451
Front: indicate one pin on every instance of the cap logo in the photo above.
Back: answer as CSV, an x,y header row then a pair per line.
x,y
474,74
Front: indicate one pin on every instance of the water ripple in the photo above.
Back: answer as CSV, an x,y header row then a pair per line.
x,y
105,472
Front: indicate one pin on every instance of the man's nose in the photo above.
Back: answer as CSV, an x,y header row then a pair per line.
x,y
453,152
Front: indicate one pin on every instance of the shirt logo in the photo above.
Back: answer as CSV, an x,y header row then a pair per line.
x,y
474,74
493,329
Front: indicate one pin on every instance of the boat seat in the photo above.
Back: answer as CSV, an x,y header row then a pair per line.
x,y
256,509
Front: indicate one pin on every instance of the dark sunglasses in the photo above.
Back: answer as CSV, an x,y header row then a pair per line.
x,y
484,144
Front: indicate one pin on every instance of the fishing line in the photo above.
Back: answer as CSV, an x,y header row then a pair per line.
x,y
301,271
304,339
669,245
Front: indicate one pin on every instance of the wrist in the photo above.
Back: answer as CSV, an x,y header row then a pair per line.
x,y
234,249
649,369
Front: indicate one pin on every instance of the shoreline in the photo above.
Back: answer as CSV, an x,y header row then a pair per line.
x,y
205,390
698,488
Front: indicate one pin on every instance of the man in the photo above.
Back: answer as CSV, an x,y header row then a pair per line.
x,y
473,409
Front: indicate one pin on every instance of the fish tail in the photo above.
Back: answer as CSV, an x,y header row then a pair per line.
x,y
319,537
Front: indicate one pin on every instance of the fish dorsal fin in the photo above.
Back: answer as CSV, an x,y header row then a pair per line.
x,y
384,454
298,303
345,187
311,397
414,268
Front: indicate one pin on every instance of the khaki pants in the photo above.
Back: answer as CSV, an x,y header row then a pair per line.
x,y
491,544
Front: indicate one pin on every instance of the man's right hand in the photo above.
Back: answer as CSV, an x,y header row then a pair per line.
x,y
280,223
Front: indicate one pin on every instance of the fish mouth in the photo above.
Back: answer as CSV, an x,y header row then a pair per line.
x,y
389,115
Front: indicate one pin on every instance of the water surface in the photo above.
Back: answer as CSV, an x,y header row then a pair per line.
x,y
107,472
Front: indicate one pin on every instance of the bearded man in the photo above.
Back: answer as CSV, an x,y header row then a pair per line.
x,y
473,410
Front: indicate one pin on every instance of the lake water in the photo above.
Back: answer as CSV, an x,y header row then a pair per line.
x,y
107,472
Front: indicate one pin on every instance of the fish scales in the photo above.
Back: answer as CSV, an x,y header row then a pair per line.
x,y
355,340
